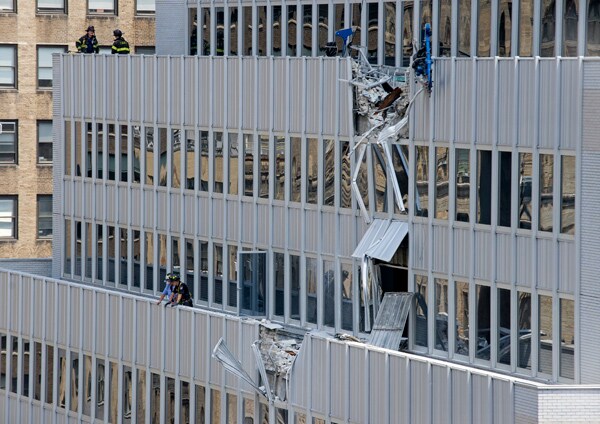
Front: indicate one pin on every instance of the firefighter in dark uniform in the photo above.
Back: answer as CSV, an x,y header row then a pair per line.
x,y
88,43
120,46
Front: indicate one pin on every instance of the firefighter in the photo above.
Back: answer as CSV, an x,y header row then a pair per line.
x,y
88,43
120,46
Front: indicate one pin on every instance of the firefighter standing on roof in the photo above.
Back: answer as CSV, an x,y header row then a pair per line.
x,y
120,46
88,43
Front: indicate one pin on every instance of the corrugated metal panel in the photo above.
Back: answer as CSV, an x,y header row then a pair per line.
x,y
88,321
591,75
67,207
115,321
233,222
249,330
299,375
177,87
141,333
38,317
548,102
100,85
346,232
375,232
506,102
312,234
591,124
100,323
313,93
121,211
171,327
329,98
328,233
219,93
346,122
232,341
504,257
4,321
385,247
218,218
319,366
526,404
265,83
175,206
112,85
481,399
526,102
280,96
204,89
339,381
137,87
75,75
358,383
26,305
216,332
77,204
441,395
440,248
377,388
248,95
421,392
400,398
524,261
135,198
99,198
74,324
545,264
170,13
461,397
162,100
503,401
569,101
161,210
390,321
203,222
279,223
264,224
233,92
485,101
201,347
61,292
567,267
295,224
148,88
483,254
189,215
443,100
65,75
127,329
464,101
190,90
420,247
185,342
421,117
296,92
88,191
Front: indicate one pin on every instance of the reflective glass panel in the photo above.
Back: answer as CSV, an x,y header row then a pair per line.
x,y
150,252
379,179
442,173
215,404
141,395
312,170
37,367
248,164
264,169
190,162
78,247
311,290
372,27
127,393
203,253
546,192
67,145
389,35
482,322
63,372
545,337
567,195
218,161
504,191
524,335
279,276
49,373
484,187
338,22
570,19
548,36
246,30
323,10
526,27
87,385
441,314
296,169
525,183
294,287
421,310
218,273
99,150
189,264
279,189
347,295
231,410
233,164
400,161
169,400
593,28
262,30
484,28
184,404
504,28
155,399
328,172
137,258
345,177
176,173
463,185
306,30
123,256
356,22
292,25
233,277
203,161
99,254
328,293
204,45
113,392
276,30
24,373
567,338
112,153
407,32
149,165
422,181
101,388
111,250
137,154
162,144
461,299
504,327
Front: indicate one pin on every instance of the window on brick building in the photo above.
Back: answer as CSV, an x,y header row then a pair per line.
x,y
50,6
145,6
8,142
44,216
8,217
7,6
44,136
108,7
147,50
8,65
45,64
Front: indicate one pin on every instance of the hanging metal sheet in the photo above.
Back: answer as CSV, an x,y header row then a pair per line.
x,y
385,247
390,321
375,231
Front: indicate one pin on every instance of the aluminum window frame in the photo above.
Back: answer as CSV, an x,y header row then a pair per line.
x,y
14,68
15,141
139,12
13,10
39,48
97,11
42,216
14,216
40,142
49,10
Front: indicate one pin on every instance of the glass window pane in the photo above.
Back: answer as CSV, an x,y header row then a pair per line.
x,y
482,322
7,5
329,293
524,335
306,30
526,27
545,337
503,342
279,276
262,30
155,398
483,28
546,192
345,176
200,404
323,25
218,161
233,164
445,31
231,411
215,401
51,4
422,181
441,182
169,400
218,273
203,161
463,185
141,395
295,287
567,338
570,18
296,169
312,169
421,310
279,189
461,299
504,191
379,179
548,28
292,25
176,173
441,314
389,36
311,290
7,56
203,253
593,28
505,28
234,28
263,174
248,165
149,146
184,404
233,265
347,294
163,144
190,162
145,5
484,187
101,5
525,184
567,195
45,131
7,76
206,23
